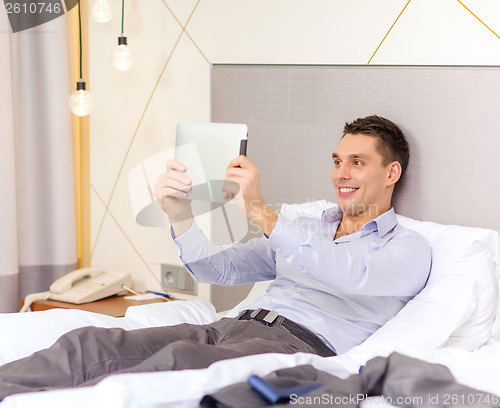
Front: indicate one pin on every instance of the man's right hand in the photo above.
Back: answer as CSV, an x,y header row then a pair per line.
x,y
172,190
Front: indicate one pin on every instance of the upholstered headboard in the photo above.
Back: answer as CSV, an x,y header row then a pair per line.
x,y
295,116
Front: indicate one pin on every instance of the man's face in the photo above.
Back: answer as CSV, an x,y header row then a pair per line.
x,y
360,179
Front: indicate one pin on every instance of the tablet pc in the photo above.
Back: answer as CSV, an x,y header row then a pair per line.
x,y
206,150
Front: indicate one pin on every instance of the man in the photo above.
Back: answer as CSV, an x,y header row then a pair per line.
x,y
337,278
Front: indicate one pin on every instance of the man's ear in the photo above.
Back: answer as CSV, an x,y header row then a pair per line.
x,y
394,173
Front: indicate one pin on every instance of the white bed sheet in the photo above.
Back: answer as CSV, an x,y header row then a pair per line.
x,y
22,334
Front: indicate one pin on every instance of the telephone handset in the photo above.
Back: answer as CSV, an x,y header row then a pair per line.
x,y
83,286
64,283
88,284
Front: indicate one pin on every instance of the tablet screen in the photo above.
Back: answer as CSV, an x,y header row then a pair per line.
x,y
206,150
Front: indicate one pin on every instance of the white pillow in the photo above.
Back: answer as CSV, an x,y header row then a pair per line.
x,y
171,313
494,243
463,280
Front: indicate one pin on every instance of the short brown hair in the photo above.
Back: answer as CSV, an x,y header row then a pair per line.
x,y
391,144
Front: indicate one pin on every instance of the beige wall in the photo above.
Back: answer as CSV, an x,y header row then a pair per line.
x,y
175,41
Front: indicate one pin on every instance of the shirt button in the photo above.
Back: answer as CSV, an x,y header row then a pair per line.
x,y
299,290
278,249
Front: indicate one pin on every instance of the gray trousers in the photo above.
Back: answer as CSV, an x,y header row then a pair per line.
x,y
84,356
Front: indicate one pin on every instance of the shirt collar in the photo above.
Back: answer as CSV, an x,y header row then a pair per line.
x,y
331,215
382,224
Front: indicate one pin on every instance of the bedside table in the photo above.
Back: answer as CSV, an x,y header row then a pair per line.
x,y
115,306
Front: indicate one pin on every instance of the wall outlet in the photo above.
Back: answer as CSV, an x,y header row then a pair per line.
x,y
176,278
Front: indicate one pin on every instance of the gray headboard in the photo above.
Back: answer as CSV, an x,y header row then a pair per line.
x,y
295,116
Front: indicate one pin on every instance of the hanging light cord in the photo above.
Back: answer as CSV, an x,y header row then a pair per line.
x,y
80,33
123,13
80,85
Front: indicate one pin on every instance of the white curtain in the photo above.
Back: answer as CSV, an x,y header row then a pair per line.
x,y
37,211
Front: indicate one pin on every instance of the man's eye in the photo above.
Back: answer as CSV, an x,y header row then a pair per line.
x,y
357,162
337,162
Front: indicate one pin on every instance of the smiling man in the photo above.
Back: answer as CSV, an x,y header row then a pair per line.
x,y
337,275
340,273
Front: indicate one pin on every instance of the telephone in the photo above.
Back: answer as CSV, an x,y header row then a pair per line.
x,y
83,286
88,284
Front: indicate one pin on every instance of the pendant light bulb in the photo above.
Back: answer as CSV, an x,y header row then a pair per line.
x,y
80,101
121,57
101,11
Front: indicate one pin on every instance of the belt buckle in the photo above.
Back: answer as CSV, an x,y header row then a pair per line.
x,y
263,315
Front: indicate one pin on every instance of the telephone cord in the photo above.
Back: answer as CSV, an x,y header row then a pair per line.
x,y
33,297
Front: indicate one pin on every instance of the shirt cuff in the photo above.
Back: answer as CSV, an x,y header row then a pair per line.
x,y
189,242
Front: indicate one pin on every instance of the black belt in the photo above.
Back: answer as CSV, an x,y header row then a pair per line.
x,y
271,318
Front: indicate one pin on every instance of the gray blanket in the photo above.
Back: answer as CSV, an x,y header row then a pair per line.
x,y
403,381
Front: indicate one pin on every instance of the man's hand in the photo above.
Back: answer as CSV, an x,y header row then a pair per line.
x,y
242,172
172,189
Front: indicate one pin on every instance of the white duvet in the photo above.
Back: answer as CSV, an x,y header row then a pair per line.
x,y
479,369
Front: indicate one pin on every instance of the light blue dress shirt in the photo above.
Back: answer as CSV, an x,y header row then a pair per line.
x,y
342,290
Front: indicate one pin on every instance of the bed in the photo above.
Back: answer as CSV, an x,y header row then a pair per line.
x,y
454,321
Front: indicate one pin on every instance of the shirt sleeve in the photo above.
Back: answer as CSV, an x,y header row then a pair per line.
x,y
397,267
225,265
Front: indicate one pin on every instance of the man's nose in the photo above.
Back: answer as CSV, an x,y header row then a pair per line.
x,y
342,172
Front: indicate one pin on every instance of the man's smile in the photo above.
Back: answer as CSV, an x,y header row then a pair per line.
x,y
347,191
